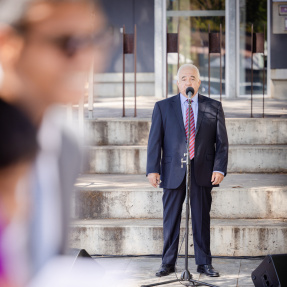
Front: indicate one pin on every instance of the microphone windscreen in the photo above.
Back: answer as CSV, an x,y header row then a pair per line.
x,y
189,89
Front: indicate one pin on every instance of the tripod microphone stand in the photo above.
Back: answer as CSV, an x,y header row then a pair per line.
x,y
186,275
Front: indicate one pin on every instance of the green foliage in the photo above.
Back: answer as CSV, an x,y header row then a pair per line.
x,y
256,14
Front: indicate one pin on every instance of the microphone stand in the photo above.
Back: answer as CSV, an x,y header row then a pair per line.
x,y
186,275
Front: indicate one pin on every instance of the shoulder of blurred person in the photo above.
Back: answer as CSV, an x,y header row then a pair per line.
x,y
55,171
18,148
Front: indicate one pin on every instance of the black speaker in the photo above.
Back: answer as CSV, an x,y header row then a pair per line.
x,y
272,272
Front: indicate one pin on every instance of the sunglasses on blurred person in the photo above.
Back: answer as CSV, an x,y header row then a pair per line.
x,y
71,45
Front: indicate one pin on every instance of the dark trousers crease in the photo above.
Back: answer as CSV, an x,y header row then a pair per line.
x,y
200,205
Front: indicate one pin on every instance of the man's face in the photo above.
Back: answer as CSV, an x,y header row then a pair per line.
x,y
56,57
188,78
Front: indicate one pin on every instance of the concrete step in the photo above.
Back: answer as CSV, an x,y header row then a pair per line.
x,y
130,131
131,196
132,159
240,237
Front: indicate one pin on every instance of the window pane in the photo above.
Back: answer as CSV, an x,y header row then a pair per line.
x,y
195,5
252,12
193,48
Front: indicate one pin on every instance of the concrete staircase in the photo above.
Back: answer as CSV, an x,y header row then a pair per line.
x,y
117,212
119,146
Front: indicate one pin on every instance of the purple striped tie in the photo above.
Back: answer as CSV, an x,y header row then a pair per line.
x,y
192,132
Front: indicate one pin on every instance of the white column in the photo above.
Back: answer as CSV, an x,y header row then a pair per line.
x,y
160,48
232,48
269,83
91,91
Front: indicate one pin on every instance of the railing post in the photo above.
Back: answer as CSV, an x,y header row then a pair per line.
x,y
251,115
214,46
172,46
135,69
129,47
257,46
91,91
124,114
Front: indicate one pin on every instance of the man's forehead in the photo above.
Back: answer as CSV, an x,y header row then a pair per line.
x,y
65,17
188,72
45,10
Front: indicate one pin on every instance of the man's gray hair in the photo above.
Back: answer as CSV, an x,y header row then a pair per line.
x,y
191,66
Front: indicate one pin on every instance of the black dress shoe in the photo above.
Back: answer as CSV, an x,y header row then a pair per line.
x,y
207,270
165,270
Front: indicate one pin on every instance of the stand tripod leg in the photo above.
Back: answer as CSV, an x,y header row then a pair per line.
x,y
199,283
161,283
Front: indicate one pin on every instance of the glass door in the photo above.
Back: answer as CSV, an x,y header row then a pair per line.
x,y
195,18
252,12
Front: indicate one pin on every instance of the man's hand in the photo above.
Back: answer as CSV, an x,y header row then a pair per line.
x,y
217,178
154,179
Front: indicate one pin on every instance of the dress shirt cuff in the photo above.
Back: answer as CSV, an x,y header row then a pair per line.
x,y
219,172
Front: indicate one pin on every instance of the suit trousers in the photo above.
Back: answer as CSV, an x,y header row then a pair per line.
x,y
200,205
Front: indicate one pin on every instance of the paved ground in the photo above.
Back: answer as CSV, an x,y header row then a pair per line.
x,y
131,181
137,271
239,108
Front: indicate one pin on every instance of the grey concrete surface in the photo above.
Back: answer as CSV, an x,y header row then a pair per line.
x,y
141,271
131,196
115,181
132,159
127,131
233,108
232,237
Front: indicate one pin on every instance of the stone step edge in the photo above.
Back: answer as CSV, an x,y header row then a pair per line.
x,y
152,189
132,119
228,237
128,223
116,204
245,146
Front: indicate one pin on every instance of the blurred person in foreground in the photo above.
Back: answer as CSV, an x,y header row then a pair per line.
x,y
18,146
46,49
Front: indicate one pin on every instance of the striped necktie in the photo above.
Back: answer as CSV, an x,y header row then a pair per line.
x,y
192,131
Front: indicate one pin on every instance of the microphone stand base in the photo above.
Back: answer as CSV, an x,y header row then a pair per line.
x,y
192,282
186,276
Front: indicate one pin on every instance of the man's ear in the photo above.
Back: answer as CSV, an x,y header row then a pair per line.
x,y
10,45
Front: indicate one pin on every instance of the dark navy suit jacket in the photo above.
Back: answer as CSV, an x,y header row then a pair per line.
x,y
167,142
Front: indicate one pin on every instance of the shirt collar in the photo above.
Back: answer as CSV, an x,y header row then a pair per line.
x,y
183,98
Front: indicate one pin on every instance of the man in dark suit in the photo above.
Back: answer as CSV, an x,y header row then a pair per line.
x,y
208,145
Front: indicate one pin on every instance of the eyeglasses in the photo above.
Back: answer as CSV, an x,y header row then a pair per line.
x,y
70,45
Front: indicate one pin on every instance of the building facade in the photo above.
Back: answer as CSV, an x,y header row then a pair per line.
x,y
194,19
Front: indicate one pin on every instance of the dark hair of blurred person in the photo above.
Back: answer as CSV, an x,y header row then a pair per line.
x,y
18,142
18,147
46,50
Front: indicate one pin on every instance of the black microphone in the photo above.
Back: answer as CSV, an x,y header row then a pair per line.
x,y
189,91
